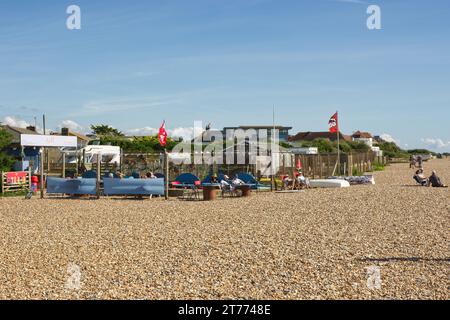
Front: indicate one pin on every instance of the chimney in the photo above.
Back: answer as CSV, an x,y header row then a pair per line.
x,y
64,131
31,128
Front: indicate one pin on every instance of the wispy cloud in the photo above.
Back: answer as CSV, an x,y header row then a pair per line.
x,y
72,125
436,143
389,138
121,104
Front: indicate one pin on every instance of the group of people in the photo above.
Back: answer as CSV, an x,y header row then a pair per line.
x,y
420,177
297,183
432,181
121,175
226,183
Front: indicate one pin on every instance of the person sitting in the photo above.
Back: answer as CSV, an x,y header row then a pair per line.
x,y
224,183
236,181
214,179
302,181
435,181
150,175
286,180
420,178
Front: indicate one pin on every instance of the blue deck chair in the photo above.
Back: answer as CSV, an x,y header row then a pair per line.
x,y
251,180
188,182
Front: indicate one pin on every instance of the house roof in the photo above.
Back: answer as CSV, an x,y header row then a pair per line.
x,y
310,136
16,132
362,134
79,136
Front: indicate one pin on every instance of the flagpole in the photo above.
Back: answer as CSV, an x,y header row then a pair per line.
x,y
339,149
166,187
272,180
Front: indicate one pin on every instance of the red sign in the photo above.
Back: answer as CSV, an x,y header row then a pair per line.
x,y
162,135
19,177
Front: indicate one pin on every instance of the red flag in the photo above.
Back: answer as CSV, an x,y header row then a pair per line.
x,y
299,164
162,135
333,123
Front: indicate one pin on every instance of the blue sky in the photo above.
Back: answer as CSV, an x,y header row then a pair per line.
x,y
228,62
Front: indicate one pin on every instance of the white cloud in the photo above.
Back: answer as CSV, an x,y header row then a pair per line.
x,y
388,138
15,122
71,125
123,104
145,131
187,133
436,143
19,123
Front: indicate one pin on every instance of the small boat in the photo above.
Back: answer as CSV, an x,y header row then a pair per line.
x,y
329,183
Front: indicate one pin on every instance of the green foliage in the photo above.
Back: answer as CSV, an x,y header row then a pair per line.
x,y
323,145
356,172
146,144
359,146
284,145
106,130
326,146
378,166
391,150
421,151
5,139
6,162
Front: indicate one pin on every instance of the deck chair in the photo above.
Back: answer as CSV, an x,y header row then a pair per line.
x,y
422,182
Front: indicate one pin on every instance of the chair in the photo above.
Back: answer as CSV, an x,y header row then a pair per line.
x,y
422,182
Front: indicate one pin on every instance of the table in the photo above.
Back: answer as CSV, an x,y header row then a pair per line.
x,y
210,191
246,190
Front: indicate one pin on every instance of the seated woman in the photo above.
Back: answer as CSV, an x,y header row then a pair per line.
x,y
302,181
150,175
435,181
224,183
287,181
236,181
420,178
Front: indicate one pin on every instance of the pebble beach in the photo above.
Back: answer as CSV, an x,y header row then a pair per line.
x,y
385,241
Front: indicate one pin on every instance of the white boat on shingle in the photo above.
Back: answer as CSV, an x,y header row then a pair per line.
x,y
329,183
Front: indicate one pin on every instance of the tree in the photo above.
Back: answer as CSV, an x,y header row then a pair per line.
x,y
145,144
323,145
106,130
6,162
391,150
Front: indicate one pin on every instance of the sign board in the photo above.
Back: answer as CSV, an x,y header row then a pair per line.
x,y
35,140
13,178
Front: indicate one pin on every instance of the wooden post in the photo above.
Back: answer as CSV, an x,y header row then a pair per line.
x,y
41,171
350,165
166,187
29,179
98,176
328,164
63,165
